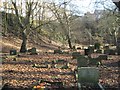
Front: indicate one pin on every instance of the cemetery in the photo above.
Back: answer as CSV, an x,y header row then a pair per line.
x,y
44,45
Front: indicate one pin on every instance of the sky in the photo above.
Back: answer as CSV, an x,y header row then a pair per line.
x,y
90,6
83,6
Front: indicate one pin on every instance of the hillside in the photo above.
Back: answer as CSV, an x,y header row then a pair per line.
x,y
44,45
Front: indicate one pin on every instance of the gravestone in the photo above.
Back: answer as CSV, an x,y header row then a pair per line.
x,y
118,50
33,51
87,51
13,52
94,61
103,57
97,45
58,51
60,61
75,55
82,61
99,51
112,52
88,75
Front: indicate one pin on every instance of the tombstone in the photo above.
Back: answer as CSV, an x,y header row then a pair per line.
x,y
99,51
79,48
88,75
74,47
75,55
33,51
103,57
94,61
87,51
60,61
58,51
40,66
97,45
91,47
118,50
112,52
82,61
13,52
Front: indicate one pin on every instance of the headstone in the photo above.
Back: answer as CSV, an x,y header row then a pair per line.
x,y
94,61
13,52
97,45
103,57
88,75
107,51
112,52
60,61
79,48
87,51
74,47
118,50
82,61
75,55
33,51
58,51
91,48
99,51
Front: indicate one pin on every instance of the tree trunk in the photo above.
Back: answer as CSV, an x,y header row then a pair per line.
x,y
23,48
69,42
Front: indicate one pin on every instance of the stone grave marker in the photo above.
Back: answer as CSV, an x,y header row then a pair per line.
x,y
118,50
103,57
58,51
33,51
97,45
88,75
99,51
13,52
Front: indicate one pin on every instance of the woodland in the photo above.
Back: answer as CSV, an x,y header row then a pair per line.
x,y
46,45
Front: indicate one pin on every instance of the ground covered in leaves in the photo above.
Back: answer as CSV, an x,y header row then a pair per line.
x,y
20,71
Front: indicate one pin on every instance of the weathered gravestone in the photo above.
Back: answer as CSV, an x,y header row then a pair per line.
x,y
99,51
94,61
103,57
58,51
118,50
97,45
88,75
110,52
13,52
75,55
32,51
60,61
82,61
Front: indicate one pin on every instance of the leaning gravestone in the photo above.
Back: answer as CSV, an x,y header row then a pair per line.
x,y
13,52
82,61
